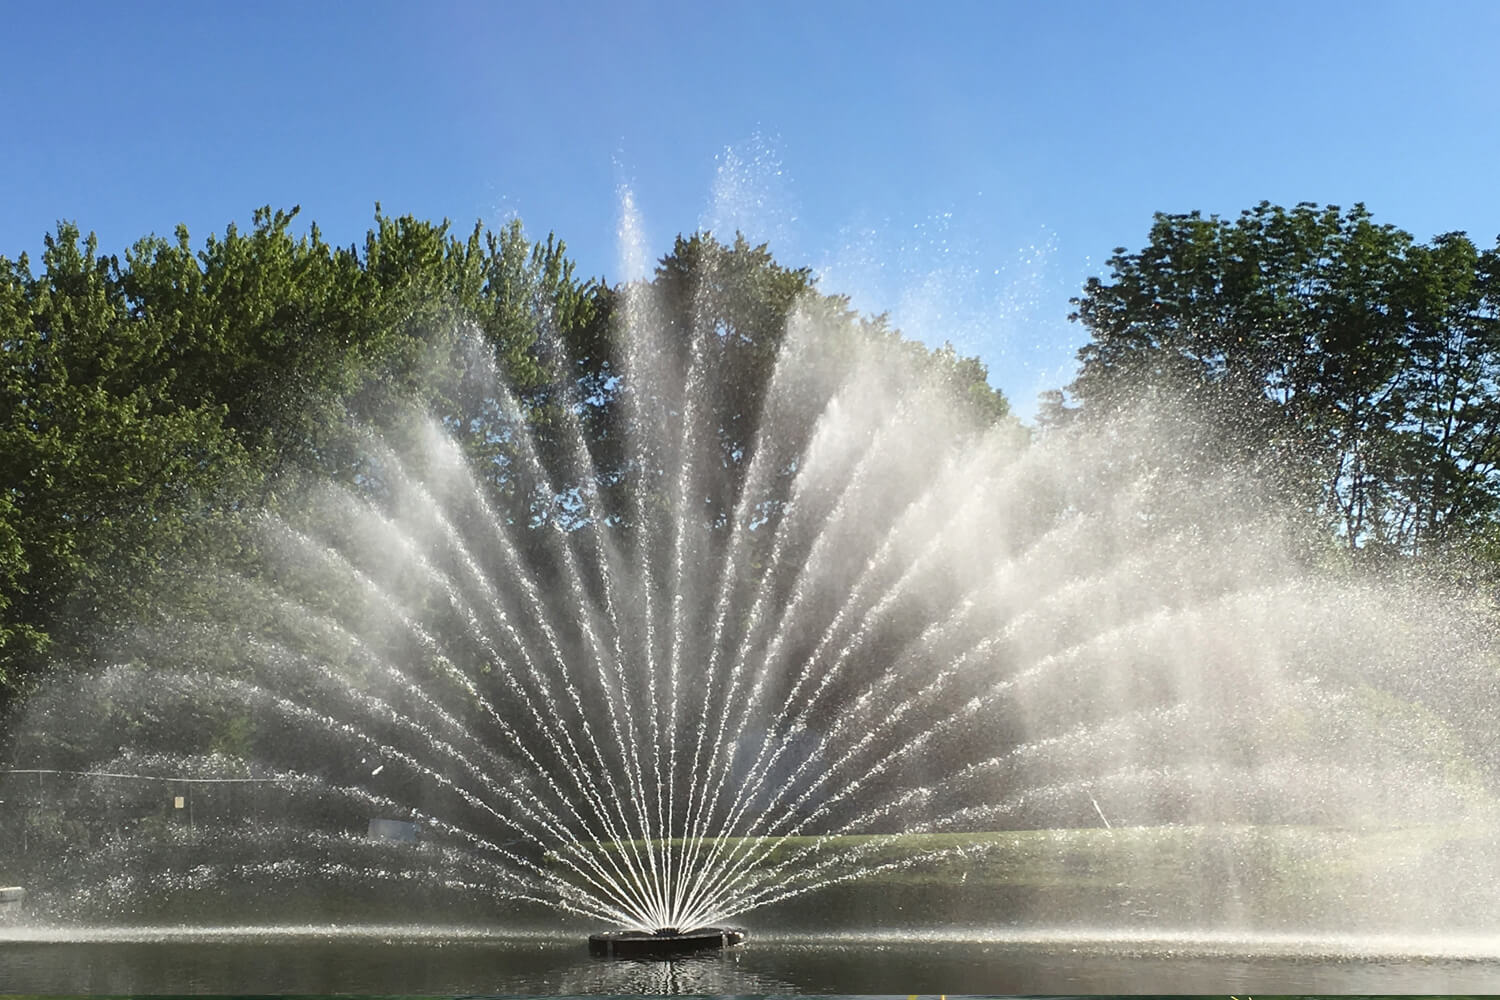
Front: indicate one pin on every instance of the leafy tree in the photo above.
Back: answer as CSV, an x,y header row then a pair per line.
x,y
1341,353
734,304
149,403
99,460
1449,442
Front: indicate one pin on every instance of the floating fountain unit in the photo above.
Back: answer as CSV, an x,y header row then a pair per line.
x,y
665,942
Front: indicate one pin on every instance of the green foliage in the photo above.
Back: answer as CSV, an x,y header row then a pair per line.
x,y
99,458
1362,363
739,294
151,406
148,406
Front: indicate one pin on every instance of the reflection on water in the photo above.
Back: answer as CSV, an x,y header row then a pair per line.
x,y
328,960
697,975
465,961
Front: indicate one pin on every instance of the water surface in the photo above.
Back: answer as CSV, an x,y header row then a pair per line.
x,y
476,961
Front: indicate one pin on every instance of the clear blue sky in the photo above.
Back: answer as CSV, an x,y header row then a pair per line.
x,y
963,166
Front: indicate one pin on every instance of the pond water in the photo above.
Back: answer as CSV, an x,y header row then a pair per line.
x,y
472,961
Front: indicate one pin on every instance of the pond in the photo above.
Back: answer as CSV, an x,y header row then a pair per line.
x,y
396,960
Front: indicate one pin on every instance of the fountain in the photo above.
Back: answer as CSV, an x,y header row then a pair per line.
x,y
890,657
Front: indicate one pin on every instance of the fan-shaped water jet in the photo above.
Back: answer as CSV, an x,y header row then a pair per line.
x,y
875,645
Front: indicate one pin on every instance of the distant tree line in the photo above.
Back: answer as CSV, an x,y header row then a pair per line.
x,y
1359,366
149,402
153,404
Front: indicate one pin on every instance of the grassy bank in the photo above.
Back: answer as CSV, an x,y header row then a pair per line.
x,y
1091,856
1220,876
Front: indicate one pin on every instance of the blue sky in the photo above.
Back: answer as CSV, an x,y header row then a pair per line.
x,y
962,166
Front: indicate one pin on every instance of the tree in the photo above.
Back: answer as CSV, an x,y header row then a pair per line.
x,y
150,404
100,462
1449,442
734,304
1337,351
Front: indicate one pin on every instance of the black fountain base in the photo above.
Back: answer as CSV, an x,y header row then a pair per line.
x,y
664,943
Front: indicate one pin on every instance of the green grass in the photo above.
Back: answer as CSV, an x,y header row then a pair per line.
x,y
1265,876
1279,859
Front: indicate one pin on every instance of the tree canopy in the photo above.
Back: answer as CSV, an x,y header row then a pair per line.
x,y
150,401
1366,361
